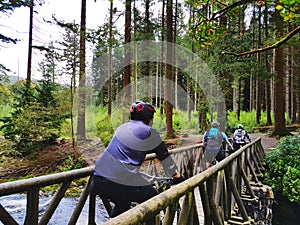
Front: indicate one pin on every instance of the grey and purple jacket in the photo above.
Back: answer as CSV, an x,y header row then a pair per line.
x,y
123,157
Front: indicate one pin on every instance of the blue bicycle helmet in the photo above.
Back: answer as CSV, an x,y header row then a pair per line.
x,y
142,111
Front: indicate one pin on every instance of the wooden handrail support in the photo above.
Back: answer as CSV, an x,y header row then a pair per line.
x,y
194,195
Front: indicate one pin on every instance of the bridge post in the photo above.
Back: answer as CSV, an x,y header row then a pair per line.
x,y
5,217
32,207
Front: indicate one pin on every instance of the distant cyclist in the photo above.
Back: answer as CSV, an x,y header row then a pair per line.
x,y
240,137
212,144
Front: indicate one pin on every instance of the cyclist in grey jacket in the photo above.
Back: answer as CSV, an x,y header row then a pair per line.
x,y
117,173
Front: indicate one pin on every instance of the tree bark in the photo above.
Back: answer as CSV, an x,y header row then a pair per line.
x,y
127,60
267,65
81,135
28,79
109,105
169,75
279,100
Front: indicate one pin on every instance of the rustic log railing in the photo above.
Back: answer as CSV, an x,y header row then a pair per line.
x,y
217,193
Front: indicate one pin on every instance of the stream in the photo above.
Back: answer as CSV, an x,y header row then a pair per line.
x,y
16,205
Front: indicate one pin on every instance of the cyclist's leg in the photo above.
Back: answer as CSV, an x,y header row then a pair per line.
x,y
130,194
220,156
210,155
235,146
142,193
114,192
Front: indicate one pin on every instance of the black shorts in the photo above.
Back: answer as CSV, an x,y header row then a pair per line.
x,y
121,195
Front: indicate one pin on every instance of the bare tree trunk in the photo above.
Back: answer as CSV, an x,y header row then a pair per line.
x,y
253,76
169,75
267,64
109,106
73,87
296,85
239,99
297,71
279,100
127,68
147,50
28,79
288,87
258,81
82,95
162,65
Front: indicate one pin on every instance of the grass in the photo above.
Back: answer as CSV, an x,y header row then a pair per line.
x,y
98,124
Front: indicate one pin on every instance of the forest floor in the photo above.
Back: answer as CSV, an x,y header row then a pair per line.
x,y
61,156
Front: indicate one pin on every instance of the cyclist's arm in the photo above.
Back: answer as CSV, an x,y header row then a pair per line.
x,y
234,134
225,138
168,163
247,136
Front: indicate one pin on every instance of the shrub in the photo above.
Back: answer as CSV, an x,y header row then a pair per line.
x,y
283,172
105,130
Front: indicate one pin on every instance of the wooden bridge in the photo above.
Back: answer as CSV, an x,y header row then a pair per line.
x,y
219,195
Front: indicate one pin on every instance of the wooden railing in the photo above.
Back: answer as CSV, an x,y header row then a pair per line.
x,y
32,186
217,192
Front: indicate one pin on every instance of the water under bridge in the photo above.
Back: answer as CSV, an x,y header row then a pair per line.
x,y
230,192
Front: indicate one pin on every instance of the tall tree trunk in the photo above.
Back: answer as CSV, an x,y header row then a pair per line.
x,y
147,50
82,95
28,79
109,107
289,87
134,67
252,76
175,70
127,59
279,100
297,71
267,65
162,65
169,75
258,81
239,99
73,87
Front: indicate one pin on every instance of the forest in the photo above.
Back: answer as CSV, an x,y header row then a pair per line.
x,y
196,61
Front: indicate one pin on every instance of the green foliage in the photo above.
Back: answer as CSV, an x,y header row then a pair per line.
x,y
104,124
283,172
246,118
66,129
105,130
5,95
289,10
7,151
181,122
36,118
71,164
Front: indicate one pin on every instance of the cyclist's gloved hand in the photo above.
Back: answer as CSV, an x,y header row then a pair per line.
x,y
177,180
